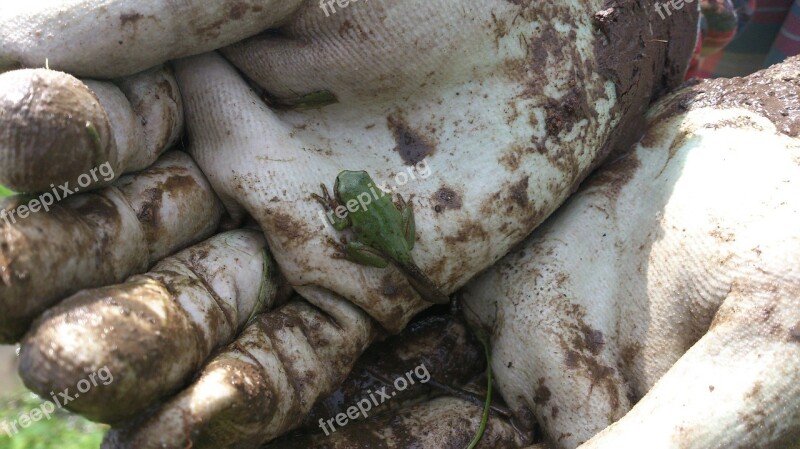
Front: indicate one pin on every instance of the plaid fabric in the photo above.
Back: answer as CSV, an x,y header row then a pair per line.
x,y
719,23
739,37
788,40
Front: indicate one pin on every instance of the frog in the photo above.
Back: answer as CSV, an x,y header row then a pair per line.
x,y
382,232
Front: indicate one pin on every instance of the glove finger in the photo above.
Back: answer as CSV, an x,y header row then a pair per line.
x,y
115,38
374,50
743,374
54,249
154,331
56,129
261,385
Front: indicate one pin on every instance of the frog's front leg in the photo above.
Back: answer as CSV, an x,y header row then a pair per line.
x,y
364,255
331,206
409,224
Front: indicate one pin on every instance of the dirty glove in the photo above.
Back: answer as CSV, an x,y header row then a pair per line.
x,y
484,115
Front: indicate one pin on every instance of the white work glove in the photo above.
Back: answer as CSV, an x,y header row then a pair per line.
x,y
670,279
485,115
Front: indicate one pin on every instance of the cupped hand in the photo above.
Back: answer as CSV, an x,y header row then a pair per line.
x,y
484,115
661,301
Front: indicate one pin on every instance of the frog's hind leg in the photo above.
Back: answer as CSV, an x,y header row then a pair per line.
x,y
364,255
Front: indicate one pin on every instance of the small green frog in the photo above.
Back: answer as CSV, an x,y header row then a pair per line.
x,y
383,232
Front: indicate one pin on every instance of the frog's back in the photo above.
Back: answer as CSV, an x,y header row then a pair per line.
x,y
379,224
375,220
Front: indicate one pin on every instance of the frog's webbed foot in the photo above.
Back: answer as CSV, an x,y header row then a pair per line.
x,y
331,205
327,201
402,203
340,246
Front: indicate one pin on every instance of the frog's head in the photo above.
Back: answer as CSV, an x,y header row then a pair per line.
x,y
350,184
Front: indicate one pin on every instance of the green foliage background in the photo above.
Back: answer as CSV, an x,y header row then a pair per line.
x,y
62,431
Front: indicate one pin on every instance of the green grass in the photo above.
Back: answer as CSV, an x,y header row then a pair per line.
x,y
62,431
5,192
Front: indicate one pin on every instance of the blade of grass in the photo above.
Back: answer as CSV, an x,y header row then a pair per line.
x,y
487,405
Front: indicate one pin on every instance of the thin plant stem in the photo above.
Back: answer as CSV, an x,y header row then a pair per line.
x,y
488,403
